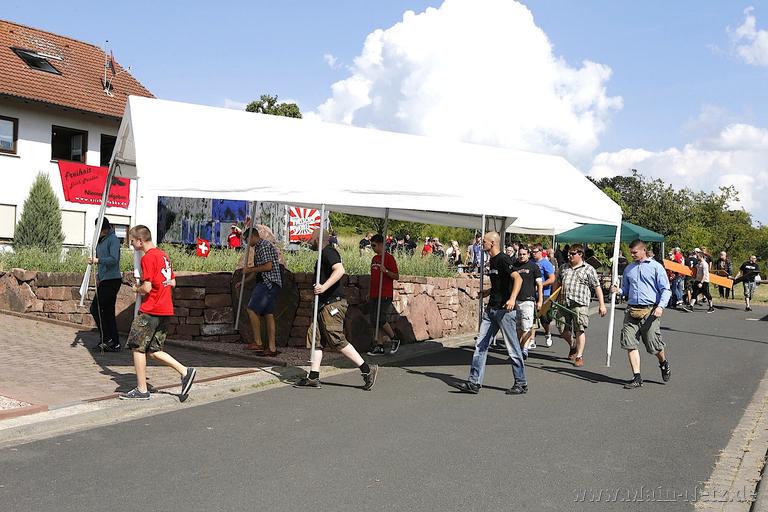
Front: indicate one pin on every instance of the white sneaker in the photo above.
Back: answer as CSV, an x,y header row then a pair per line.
x,y
549,340
532,346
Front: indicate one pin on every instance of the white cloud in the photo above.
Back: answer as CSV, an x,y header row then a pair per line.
x,y
234,104
737,155
750,43
479,71
331,60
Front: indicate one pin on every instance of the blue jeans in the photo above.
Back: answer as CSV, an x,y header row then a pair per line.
x,y
677,289
494,320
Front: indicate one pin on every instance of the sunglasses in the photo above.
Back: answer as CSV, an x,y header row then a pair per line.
x,y
574,253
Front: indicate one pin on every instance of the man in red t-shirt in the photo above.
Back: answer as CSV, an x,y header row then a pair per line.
x,y
390,274
234,239
148,330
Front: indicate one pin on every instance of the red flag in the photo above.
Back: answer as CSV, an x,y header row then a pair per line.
x,y
85,184
203,248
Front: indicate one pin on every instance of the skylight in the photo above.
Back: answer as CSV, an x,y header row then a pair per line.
x,y
36,60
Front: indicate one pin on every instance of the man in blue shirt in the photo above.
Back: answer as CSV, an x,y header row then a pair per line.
x,y
646,287
548,277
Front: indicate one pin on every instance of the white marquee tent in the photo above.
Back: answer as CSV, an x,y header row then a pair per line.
x,y
185,150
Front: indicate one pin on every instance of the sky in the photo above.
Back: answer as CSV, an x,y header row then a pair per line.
x,y
677,90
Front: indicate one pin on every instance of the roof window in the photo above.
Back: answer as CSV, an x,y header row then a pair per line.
x,y
36,60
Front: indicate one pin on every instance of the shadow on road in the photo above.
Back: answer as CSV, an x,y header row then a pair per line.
x,y
665,328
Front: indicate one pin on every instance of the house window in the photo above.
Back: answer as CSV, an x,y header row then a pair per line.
x,y
7,221
122,224
107,146
73,226
9,134
37,61
68,144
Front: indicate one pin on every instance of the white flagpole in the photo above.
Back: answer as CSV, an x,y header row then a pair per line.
x,y
97,229
482,271
381,273
246,257
137,278
614,278
317,282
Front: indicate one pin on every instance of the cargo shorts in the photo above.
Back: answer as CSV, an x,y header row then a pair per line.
x,y
577,323
526,313
387,309
330,326
148,333
636,329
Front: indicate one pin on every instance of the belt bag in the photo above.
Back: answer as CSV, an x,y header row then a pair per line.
x,y
639,313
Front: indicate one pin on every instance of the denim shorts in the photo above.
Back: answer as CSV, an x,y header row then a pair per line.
x,y
264,299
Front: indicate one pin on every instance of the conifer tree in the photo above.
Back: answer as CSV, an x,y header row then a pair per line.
x,y
40,223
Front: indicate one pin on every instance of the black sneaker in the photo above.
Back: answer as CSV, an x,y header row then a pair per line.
x,y
637,382
378,350
306,382
517,390
112,348
665,371
469,387
134,394
686,308
748,308
395,346
370,377
711,310
186,383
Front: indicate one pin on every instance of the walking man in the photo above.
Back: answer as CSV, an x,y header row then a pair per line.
x,y
529,299
266,272
723,266
577,280
499,314
646,287
330,318
548,277
390,275
148,330
748,272
701,284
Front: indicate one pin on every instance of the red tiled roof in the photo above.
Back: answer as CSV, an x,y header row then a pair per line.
x,y
82,69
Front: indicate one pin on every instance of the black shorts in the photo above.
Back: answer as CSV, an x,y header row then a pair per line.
x,y
387,309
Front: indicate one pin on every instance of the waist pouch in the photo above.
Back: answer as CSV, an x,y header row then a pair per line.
x,y
639,313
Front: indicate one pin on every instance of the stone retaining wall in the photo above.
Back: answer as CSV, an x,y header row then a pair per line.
x,y
426,307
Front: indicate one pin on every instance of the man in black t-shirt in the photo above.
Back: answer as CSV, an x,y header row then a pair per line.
x,y
365,243
529,300
332,308
498,315
748,274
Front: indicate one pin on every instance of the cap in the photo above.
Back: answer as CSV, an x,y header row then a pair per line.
x,y
697,250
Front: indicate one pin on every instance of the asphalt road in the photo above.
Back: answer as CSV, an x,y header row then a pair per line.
x,y
415,444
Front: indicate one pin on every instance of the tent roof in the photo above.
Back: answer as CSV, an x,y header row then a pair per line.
x,y
600,233
185,150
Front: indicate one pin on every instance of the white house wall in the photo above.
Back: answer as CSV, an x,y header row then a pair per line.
x,y
34,155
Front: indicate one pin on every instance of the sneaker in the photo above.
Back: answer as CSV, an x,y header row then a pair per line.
x,y
306,382
395,346
186,383
748,308
112,348
370,377
711,310
532,346
665,371
525,354
572,354
578,361
134,394
548,341
686,308
469,387
378,350
637,382
516,390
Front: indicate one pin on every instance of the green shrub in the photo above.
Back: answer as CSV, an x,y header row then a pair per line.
x,y
40,223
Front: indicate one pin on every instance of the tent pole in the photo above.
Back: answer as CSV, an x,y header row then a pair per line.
x,y
482,270
246,256
97,229
317,283
381,275
614,279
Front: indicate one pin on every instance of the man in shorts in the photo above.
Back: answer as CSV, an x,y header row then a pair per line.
x,y
529,299
577,280
266,271
646,287
388,274
748,272
330,318
548,277
498,315
148,329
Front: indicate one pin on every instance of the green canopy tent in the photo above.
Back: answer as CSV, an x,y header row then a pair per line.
x,y
603,233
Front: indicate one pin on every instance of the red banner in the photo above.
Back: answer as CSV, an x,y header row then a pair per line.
x,y
301,223
85,184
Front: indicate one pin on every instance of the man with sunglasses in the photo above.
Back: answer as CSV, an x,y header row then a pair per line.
x,y
577,280
499,314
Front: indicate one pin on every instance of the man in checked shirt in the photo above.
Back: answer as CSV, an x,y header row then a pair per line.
x,y
577,279
266,269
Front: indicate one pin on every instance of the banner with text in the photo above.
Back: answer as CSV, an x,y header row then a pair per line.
x,y
85,184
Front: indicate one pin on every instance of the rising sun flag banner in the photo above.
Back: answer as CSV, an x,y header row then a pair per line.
x,y
302,222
